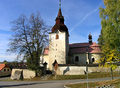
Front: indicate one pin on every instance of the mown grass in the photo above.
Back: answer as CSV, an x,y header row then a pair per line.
x,y
71,77
90,76
115,83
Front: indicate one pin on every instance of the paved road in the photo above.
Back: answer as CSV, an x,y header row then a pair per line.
x,y
44,84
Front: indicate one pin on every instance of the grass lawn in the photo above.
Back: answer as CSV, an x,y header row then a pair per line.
x,y
115,83
71,77
90,76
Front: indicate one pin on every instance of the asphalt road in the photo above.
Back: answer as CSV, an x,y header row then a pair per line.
x,y
44,84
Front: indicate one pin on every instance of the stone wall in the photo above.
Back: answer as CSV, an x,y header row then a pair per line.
x,y
80,70
27,74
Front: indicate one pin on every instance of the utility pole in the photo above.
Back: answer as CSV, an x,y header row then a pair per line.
x,y
87,73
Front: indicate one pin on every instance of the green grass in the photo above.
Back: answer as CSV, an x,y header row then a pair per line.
x,y
90,76
115,83
71,77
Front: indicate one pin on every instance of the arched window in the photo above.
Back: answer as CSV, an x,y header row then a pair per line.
x,y
4,69
57,36
76,58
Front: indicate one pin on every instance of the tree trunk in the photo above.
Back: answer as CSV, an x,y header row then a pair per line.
x,y
112,73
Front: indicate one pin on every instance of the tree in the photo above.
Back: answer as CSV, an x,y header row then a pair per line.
x,y
29,37
109,38
5,61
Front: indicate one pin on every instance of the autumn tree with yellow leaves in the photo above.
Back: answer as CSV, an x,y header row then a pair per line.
x,y
109,38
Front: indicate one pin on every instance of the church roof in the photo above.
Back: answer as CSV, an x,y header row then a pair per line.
x,y
59,25
78,48
60,14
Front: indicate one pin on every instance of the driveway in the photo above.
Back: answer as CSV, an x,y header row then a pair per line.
x,y
45,84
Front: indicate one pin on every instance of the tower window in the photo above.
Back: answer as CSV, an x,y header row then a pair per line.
x,y
76,58
57,36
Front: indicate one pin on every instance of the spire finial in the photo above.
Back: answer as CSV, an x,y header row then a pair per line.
x,y
59,4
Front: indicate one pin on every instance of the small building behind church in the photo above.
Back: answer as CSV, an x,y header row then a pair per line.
x,y
4,70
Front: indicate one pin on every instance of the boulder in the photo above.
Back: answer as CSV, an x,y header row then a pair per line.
x,y
28,74
17,74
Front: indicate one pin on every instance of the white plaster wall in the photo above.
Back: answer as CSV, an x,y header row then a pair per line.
x,y
57,48
46,59
70,70
80,70
96,56
82,58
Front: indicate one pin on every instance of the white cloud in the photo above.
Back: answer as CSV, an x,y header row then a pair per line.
x,y
84,18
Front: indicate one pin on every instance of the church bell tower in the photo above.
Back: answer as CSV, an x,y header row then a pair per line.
x,y
58,41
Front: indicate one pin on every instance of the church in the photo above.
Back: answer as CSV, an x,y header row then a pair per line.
x,y
63,53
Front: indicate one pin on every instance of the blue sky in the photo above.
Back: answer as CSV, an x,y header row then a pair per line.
x,y
81,18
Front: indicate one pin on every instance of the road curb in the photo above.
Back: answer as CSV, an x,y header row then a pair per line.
x,y
66,87
85,82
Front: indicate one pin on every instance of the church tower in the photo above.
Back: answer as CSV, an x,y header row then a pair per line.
x,y
59,41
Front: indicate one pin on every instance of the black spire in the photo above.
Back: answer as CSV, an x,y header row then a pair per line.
x,y
90,38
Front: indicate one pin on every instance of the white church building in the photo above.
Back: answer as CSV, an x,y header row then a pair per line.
x,y
63,53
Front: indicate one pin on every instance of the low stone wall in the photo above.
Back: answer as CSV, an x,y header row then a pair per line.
x,y
80,70
27,74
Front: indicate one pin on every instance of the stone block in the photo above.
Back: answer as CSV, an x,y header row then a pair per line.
x,y
17,74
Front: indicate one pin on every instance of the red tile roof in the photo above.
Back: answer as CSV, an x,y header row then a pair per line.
x,y
83,44
77,48
2,66
59,25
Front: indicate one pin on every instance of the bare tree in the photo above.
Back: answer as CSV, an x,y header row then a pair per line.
x,y
29,37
